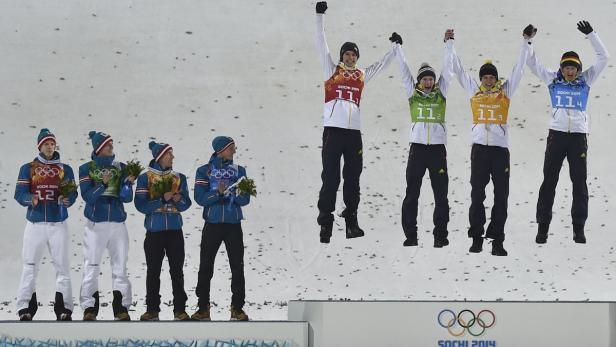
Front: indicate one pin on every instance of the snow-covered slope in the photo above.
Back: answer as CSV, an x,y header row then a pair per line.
x,y
185,71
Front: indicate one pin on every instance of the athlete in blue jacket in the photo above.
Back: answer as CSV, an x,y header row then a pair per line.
x,y
161,195
222,211
100,181
37,189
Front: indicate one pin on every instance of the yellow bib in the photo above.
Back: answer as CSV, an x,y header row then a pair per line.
x,y
490,108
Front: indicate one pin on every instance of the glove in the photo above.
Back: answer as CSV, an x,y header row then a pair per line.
x,y
395,38
529,32
584,27
321,7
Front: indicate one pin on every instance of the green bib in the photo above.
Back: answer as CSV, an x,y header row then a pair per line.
x,y
428,108
113,186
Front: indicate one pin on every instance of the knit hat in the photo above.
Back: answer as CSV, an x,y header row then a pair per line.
x,y
220,143
349,46
488,69
99,140
571,59
43,136
159,149
425,70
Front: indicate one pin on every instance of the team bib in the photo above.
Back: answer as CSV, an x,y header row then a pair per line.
x,y
345,85
572,96
428,108
45,180
490,108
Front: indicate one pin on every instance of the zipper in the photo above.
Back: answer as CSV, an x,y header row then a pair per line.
x,y
428,140
223,213
569,121
350,109
487,135
333,106
152,222
237,215
166,222
109,212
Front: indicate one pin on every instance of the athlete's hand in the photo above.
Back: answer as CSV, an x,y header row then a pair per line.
x,y
63,200
168,196
130,179
584,27
321,7
35,200
177,197
221,187
106,176
395,38
529,32
448,35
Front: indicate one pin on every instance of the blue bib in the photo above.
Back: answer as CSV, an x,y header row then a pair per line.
x,y
569,95
228,175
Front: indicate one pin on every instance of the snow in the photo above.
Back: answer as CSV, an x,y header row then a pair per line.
x,y
186,71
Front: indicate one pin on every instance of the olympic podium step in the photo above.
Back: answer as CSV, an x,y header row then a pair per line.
x,y
153,334
457,323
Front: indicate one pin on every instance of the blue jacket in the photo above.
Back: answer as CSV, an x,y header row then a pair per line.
x,y
42,177
159,214
104,203
220,208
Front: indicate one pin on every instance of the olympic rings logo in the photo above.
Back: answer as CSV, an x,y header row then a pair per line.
x,y
223,173
466,320
355,75
102,172
47,171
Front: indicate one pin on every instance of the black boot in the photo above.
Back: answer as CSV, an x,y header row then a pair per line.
x,y
326,233
440,242
352,227
410,242
542,233
27,314
61,312
578,233
497,248
477,245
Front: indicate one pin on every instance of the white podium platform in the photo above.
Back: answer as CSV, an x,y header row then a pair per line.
x,y
457,324
154,334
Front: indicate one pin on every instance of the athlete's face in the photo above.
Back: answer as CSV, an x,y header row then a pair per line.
x,y
349,58
569,72
166,161
427,82
228,153
107,151
48,148
488,81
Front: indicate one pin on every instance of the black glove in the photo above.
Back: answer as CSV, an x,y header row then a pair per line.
x,y
584,27
395,38
529,31
321,7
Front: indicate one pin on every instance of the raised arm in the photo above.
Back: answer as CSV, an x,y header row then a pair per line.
x,y
544,74
593,72
380,65
466,81
408,82
326,59
511,85
447,69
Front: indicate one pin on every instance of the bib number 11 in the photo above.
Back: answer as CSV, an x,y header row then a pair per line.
x,y
560,104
